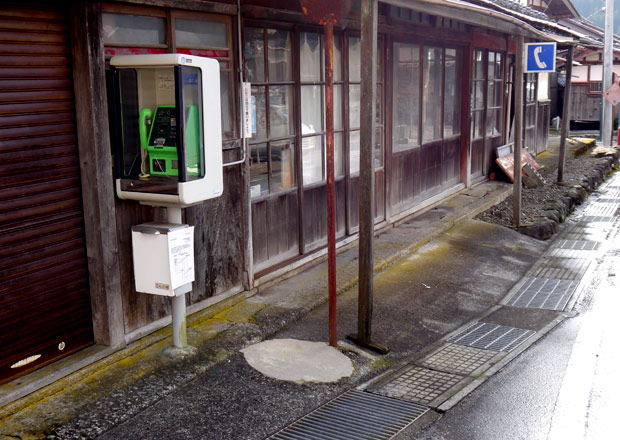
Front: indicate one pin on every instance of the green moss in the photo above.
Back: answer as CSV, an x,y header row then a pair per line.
x,y
381,363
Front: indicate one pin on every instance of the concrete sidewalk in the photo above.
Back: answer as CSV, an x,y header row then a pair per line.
x,y
140,375
437,272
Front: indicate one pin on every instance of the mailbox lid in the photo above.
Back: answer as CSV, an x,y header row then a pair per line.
x,y
157,228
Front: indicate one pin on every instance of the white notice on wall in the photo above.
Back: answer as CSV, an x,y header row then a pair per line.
x,y
181,254
248,117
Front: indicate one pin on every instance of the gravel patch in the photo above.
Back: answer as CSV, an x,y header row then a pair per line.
x,y
538,205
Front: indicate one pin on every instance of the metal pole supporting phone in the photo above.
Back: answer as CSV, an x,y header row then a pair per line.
x,y
179,325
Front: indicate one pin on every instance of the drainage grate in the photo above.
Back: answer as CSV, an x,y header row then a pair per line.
x,y
458,359
560,266
606,200
354,415
420,385
597,219
600,209
542,293
578,245
492,337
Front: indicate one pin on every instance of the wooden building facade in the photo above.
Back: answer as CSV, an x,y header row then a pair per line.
x,y
443,105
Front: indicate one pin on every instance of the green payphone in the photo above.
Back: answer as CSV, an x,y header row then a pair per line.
x,y
158,137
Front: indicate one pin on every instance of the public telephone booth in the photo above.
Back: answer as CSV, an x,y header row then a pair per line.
x,y
168,129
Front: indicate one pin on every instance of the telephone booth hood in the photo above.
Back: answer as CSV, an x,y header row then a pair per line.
x,y
167,128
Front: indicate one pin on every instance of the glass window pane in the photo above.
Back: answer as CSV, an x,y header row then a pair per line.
x,y
355,53
310,56
259,170
338,155
432,94
491,64
226,98
254,55
201,34
338,107
279,55
259,110
499,91
452,97
354,152
479,94
406,102
192,117
378,147
312,159
478,65
354,106
491,94
311,103
282,168
498,121
280,108
498,66
133,29
479,128
490,123
133,156
337,58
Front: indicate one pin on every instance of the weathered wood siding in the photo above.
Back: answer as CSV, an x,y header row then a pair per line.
x,y
584,107
218,249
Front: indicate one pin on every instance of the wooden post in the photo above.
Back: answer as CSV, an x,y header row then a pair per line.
x,y
608,61
367,175
91,110
566,112
518,87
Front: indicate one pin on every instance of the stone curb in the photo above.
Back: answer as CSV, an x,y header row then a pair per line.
x,y
557,210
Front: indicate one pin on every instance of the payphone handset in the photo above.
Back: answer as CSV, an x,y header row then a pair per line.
x,y
168,114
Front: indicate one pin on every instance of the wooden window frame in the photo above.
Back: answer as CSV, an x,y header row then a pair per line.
x,y
293,138
232,137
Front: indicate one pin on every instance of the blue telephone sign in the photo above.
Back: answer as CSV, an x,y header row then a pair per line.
x,y
540,57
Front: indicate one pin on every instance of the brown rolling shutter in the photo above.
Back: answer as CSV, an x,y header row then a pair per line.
x,y
44,299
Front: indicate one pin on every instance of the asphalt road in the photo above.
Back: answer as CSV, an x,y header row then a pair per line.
x,y
566,386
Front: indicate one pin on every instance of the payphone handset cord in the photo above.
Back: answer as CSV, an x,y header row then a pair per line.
x,y
146,116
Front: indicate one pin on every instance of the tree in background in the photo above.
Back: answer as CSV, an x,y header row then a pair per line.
x,y
594,11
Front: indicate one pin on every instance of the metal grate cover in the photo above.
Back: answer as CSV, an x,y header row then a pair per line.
x,y
578,245
597,219
492,337
419,385
543,293
560,266
458,359
606,200
354,415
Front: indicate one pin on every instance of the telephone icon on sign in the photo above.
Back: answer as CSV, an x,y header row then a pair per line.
x,y
541,64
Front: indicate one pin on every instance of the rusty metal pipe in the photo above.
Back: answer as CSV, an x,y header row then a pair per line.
x,y
331,184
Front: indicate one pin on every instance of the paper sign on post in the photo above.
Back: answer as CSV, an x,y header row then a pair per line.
x,y
248,116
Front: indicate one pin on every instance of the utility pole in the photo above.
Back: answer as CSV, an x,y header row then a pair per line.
x,y
369,12
516,195
566,112
608,61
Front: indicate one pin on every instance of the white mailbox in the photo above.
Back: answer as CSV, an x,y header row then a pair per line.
x,y
163,258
